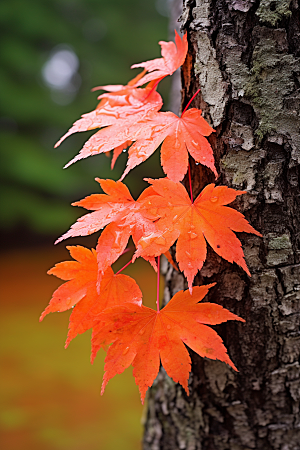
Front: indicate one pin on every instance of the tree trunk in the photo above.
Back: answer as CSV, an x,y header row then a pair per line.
x,y
244,55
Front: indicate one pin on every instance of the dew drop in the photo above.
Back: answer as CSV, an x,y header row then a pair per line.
x,y
193,235
141,332
126,350
203,158
214,199
187,253
153,211
174,218
177,144
124,151
197,164
196,144
192,227
168,327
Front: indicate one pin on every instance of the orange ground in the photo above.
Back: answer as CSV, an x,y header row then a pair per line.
x,y
50,397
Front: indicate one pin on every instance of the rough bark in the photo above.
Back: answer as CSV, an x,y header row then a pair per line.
x,y
244,54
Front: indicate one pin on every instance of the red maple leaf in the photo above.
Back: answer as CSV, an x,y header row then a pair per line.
x,y
80,292
118,105
179,135
143,337
173,56
193,223
121,215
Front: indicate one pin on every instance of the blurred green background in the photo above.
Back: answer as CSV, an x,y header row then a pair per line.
x,y
53,52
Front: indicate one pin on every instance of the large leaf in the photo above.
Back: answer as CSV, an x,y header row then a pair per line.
x,y
144,337
194,223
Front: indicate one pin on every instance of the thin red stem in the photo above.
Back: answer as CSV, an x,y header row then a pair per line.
x,y
190,101
157,291
190,181
125,251
119,271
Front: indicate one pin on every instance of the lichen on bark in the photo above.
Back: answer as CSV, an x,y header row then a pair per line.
x,y
270,11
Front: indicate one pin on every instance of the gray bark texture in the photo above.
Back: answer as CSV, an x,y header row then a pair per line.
x,y
244,55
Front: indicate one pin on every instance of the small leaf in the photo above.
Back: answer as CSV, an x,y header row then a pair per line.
x,y
81,290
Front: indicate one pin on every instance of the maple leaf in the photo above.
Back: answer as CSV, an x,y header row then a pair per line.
x,y
179,135
193,223
173,56
143,337
117,105
121,215
81,291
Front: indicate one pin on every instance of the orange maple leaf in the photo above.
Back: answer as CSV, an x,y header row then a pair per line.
x,y
81,293
116,106
179,135
121,215
173,56
143,337
192,223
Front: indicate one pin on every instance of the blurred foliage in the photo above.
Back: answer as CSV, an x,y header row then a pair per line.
x,y
107,37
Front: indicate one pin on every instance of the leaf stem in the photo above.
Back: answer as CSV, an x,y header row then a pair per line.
x,y
190,102
153,88
157,291
119,271
190,181
125,251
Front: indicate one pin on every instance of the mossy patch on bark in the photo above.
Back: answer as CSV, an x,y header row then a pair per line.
x,y
271,81
271,11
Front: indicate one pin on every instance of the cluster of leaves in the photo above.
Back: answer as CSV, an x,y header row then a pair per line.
x,y
111,304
